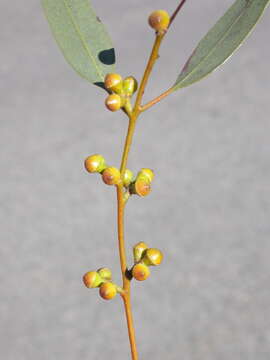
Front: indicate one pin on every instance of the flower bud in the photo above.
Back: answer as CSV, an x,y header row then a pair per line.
x,y
159,20
140,272
152,257
138,251
114,102
105,273
113,82
147,173
140,187
127,178
130,85
92,279
107,291
95,163
111,176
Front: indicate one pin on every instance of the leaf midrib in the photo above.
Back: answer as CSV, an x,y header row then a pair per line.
x,y
82,40
215,46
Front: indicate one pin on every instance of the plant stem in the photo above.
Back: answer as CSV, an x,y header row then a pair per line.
x,y
179,7
151,62
123,262
121,242
130,132
133,116
156,100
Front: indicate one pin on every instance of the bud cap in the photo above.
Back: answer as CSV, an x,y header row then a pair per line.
x,y
107,291
138,251
113,82
105,273
92,279
159,20
147,174
140,272
127,178
152,257
111,176
95,163
130,85
113,102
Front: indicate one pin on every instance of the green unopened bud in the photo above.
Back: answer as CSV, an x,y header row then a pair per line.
x,y
127,178
152,257
105,273
138,251
95,163
146,173
92,279
130,85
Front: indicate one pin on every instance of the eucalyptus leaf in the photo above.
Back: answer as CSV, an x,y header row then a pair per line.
x,y
82,38
221,41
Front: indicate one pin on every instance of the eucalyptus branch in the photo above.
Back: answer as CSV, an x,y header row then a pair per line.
x,y
95,63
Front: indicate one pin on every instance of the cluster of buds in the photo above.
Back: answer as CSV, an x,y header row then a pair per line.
x,y
102,279
143,258
97,164
121,90
141,185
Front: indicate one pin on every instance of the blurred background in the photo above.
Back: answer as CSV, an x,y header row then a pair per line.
x,y
208,212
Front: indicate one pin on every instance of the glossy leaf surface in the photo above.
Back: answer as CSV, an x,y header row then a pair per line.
x,y
221,41
82,38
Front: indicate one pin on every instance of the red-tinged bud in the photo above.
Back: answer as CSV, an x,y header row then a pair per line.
x,y
113,82
113,102
107,290
140,272
95,163
111,176
92,279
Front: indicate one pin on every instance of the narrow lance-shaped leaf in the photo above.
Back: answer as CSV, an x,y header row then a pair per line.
x,y
82,38
221,41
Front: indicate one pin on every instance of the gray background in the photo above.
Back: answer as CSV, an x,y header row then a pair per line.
x,y
209,210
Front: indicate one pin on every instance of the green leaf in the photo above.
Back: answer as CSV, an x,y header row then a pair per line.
x,y
82,38
221,41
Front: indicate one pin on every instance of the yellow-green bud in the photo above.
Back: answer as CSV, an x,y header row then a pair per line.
x,y
130,85
140,187
95,163
147,173
127,178
140,272
138,251
105,273
107,290
111,176
114,102
113,82
159,20
152,257
92,279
